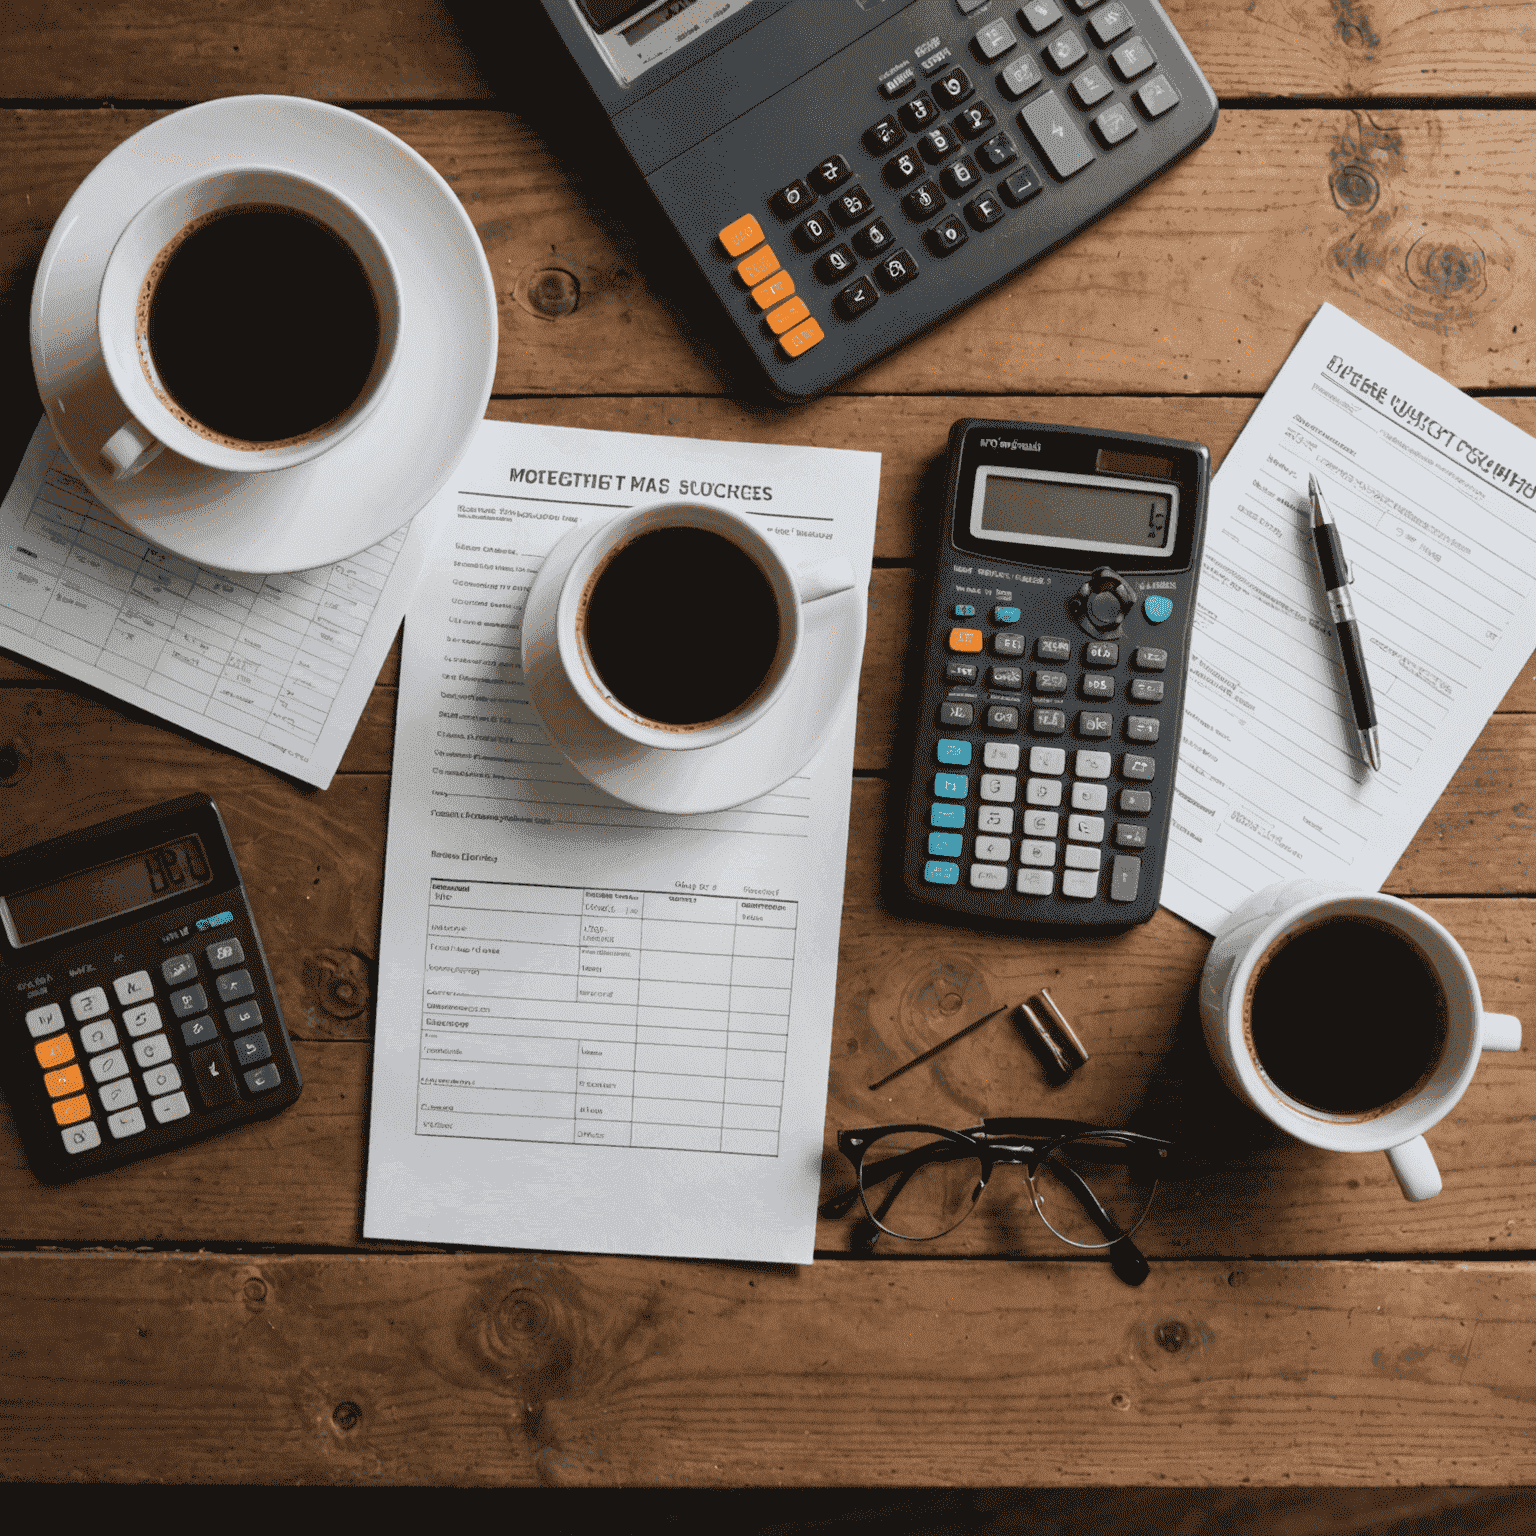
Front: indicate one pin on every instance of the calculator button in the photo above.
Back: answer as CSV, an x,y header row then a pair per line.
x,y
918,113
995,818
851,206
1009,645
965,639
946,816
127,1122
235,985
899,83
997,152
922,202
951,786
1090,797
199,1031
90,1004
995,39
1135,802
780,286
1037,853
1008,679
965,610
144,1020
118,1095
45,1020
1134,766
1041,823
65,1080
82,1138
976,120
830,174
242,1016
945,845
1040,15
953,713
939,872
963,672
134,988
880,137
1051,648
906,167
1157,608
858,297
1157,96
210,1070
55,1052
995,850
1065,51
1124,877
967,6
1146,690
1132,58
960,177
1021,186
151,1052
948,235
177,969
786,315
1092,725
984,211
760,264
1046,792
1080,883
1000,756
956,754
1114,124
800,340
1150,658
1057,135
952,87
738,237
1091,87
988,877
1049,682
1048,722
1079,857
938,144
165,1078
173,1106
1020,77
1097,686
1047,760
1034,882
1130,835
188,1001
814,230
1002,717
100,1036
252,1048
109,1065
834,264
68,1111
1112,22
999,788
1092,765
1085,829
872,241
1143,728
791,201
1101,653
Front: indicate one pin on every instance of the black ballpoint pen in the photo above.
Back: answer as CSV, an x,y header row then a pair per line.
x,y
1337,577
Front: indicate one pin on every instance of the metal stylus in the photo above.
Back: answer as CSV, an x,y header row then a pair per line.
x,y
1337,577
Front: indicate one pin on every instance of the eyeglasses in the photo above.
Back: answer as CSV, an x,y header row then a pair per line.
x,y
1091,1186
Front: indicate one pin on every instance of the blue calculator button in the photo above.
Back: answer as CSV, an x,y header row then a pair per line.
x,y
945,845
1005,615
956,752
1157,608
951,786
937,872
965,610
946,816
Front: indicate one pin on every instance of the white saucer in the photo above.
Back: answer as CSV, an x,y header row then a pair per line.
x,y
754,762
391,466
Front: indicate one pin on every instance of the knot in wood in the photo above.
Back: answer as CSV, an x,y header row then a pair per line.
x,y
1445,269
340,980
346,1417
1355,189
553,293
1120,1402
15,761
521,1315
1171,1335
255,1292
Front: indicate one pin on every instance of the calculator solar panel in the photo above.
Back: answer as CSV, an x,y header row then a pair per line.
x,y
847,173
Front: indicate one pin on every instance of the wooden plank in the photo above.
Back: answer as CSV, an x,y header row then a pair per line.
x,y
478,1369
1179,291
179,50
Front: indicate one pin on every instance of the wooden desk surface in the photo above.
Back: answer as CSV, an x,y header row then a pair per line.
x,y
215,1315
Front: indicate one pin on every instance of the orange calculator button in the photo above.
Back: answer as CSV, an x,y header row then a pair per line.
x,y
65,1080
766,295
740,237
802,338
760,264
786,315
55,1052
965,639
67,1111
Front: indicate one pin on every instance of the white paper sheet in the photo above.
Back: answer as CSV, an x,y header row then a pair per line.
x,y
1435,498
275,667
600,1029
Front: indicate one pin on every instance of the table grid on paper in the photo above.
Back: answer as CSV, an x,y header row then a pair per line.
x,y
266,655
614,1017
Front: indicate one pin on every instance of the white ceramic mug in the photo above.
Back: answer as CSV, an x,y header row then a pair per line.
x,y
1256,930
580,714
154,421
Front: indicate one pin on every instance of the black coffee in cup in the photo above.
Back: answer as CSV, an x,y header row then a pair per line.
x,y
681,626
261,322
1346,1016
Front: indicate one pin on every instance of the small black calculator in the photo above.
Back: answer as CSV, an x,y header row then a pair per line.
x,y
137,1011
1052,675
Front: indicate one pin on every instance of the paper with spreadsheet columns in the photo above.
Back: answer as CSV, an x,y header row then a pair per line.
x,y
600,1029
278,668
1435,498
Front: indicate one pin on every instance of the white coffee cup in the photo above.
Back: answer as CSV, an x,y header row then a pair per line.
x,y
580,714
1257,930
154,420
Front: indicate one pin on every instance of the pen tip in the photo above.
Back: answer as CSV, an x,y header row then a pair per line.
x,y
1312,486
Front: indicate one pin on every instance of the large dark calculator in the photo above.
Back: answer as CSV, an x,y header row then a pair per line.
x,y
137,1011
1052,675
847,173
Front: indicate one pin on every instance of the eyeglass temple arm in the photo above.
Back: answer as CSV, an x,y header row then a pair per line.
x,y
1125,1258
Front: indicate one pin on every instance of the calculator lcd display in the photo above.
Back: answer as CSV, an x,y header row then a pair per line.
x,y
1089,512
109,890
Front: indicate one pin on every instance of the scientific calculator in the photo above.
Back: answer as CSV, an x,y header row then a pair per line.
x,y
1051,680
847,173
137,1012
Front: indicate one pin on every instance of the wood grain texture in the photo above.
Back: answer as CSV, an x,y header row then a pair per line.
x,y
505,1369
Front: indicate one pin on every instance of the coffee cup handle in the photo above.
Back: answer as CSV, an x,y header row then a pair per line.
x,y
1501,1032
128,450
1414,1165
825,579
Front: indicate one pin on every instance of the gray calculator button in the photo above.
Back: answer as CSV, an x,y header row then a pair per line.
x,y
1096,685
1101,653
143,1020
173,1106
118,1095
1150,658
262,1079
1053,648
997,819
1092,86
113,1064
47,1020
151,1052
1157,96
1146,690
1134,766
1034,882
1115,124
1093,725
235,985
177,969
1008,679
1020,77
1048,722
999,788
81,1138
134,988
1037,854
1001,756
994,850
225,953
1050,682
189,1000
1090,797
989,877
1042,792
250,1049
126,1122
1079,857
210,1069
101,1036
199,1031
1085,829
1141,728
995,39
1041,823
1066,50
1081,883
242,1016
1112,22
90,1004
1135,802
1132,58
1059,138
162,1079
1008,645
1040,15
1092,765
1047,760
1129,834
1124,877
967,6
